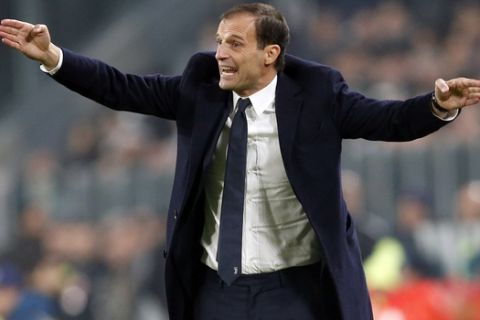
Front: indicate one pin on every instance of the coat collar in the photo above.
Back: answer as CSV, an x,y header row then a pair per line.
x,y
288,103
213,106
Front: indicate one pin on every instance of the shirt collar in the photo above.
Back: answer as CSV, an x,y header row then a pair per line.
x,y
262,99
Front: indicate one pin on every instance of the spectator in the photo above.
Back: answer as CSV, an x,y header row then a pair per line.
x,y
34,302
370,226
414,225
10,289
459,239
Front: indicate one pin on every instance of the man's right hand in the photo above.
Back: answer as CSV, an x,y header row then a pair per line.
x,y
32,40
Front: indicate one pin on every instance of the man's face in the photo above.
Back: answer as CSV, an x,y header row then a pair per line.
x,y
241,63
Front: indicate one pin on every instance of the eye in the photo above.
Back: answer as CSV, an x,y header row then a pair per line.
x,y
236,44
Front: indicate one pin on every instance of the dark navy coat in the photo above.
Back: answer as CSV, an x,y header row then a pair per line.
x,y
315,111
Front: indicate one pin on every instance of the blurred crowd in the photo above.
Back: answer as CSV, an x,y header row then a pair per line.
x,y
89,234
87,218
422,267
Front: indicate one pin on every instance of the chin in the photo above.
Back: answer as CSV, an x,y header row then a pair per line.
x,y
226,86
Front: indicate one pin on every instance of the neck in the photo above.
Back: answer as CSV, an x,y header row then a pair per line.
x,y
262,83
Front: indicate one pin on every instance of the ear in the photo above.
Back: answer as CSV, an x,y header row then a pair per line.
x,y
271,53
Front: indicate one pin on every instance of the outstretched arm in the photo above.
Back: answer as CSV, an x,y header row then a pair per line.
x,y
152,94
32,40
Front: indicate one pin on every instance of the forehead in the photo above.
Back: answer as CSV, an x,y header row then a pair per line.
x,y
239,24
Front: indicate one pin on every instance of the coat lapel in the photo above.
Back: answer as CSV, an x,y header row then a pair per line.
x,y
288,103
212,108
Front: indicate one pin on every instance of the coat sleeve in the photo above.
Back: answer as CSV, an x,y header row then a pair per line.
x,y
357,116
152,94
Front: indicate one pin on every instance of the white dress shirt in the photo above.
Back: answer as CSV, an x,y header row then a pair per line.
x,y
276,230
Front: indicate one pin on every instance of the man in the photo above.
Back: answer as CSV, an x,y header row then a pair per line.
x,y
298,255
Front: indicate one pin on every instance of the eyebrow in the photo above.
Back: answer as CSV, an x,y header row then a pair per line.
x,y
234,36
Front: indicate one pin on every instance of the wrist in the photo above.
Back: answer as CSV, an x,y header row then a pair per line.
x,y
52,57
437,106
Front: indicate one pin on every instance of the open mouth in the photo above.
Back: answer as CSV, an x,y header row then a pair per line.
x,y
227,71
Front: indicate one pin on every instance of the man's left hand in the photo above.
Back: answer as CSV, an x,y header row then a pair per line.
x,y
457,93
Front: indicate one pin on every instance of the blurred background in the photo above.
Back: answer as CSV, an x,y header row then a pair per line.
x,y
84,190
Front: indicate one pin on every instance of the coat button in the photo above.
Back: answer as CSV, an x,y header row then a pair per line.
x,y
175,214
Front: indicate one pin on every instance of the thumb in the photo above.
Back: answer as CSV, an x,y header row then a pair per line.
x,y
39,29
441,85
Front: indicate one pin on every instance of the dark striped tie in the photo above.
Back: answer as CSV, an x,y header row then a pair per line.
x,y
229,255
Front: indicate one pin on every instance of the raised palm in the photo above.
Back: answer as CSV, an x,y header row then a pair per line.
x,y
33,41
458,92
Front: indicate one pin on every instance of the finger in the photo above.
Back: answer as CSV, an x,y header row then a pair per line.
x,y
474,90
39,28
471,101
8,30
10,43
442,85
9,36
17,24
474,95
473,83
463,83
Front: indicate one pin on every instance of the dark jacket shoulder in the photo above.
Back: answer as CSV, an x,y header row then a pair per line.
x,y
203,67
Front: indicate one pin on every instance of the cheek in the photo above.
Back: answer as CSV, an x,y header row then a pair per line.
x,y
251,70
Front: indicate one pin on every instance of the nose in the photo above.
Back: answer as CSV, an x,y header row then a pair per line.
x,y
221,53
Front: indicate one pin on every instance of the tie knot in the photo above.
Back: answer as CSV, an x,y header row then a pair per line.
x,y
242,104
